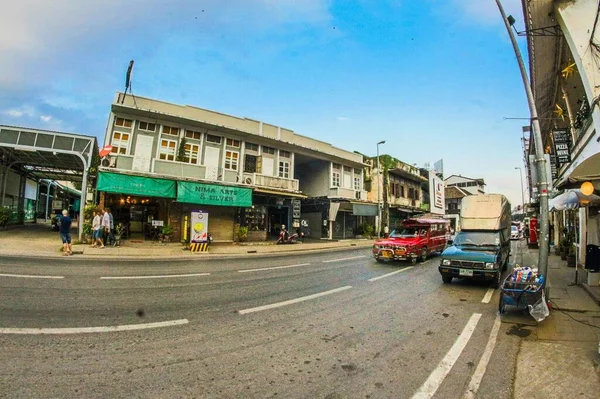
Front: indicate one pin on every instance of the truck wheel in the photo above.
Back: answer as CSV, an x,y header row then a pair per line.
x,y
413,260
446,278
379,260
423,256
496,282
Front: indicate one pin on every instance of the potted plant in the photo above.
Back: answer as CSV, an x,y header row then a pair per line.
x,y
565,244
166,232
242,233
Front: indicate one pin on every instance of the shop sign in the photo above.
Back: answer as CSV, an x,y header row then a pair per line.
x,y
158,223
553,169
135,185
199,227
561,141
212,194
57,204
296,209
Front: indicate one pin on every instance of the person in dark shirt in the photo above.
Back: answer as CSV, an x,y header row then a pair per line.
x,y
65,233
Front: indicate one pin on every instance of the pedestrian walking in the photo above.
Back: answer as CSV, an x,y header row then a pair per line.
x,y
97,230
105,226
65,233
110,237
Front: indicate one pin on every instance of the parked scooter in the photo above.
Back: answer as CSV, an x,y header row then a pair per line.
x,y
55,222
286,238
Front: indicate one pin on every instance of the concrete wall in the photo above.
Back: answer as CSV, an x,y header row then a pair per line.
x,y
314,178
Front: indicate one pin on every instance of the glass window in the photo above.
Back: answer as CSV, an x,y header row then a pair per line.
x,y
251,147
284,169
211,138
123,122
231,160
191,152
120,143
167,149
284,154
190,134
336,179
357,184
149,127
233,143
173,131
268,150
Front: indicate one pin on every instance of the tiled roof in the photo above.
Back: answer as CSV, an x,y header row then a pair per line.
x,y
453,192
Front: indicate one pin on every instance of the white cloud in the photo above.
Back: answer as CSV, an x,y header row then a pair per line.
x,y
45,118
342,118
19,112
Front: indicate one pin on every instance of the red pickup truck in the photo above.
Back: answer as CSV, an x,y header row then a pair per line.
x,y
415,240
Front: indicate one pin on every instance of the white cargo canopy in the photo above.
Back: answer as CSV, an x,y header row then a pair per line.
x,y
485,212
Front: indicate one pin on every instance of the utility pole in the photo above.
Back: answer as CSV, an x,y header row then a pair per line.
x,y
379,177
539,150
522,195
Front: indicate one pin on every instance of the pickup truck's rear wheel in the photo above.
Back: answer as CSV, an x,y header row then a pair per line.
x,y
446,278
413,260
379,260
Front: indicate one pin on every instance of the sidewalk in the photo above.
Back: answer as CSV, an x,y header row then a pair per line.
x,y
559,358
38,240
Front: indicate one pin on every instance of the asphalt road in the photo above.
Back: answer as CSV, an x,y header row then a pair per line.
x,y
325,325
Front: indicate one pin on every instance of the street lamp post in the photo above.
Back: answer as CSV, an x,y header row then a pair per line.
x,y
539,149
379,181
522,196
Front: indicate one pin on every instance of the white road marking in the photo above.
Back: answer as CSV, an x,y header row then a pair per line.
x,y
292,301
271,268
87,330
488,295
389,274
339,260
483,362
437,376
157,276
29,276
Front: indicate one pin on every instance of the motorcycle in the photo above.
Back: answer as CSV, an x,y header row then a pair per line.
x,y
55,222
287,238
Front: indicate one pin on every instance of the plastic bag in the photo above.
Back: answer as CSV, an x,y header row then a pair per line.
x,y
539,310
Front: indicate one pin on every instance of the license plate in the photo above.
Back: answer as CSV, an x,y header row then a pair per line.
x,y
400,252
465,272
387,254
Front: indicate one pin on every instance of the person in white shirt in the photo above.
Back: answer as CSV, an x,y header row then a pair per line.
x,y
105,225
97,230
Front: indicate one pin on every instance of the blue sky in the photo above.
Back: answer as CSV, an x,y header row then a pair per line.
x,y
434,78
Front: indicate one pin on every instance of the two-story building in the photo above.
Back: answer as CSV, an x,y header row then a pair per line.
x,y
398,188
168,160
453,198
472,186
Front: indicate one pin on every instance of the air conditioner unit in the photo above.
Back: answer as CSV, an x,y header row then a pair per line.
x,y
248,180
109,162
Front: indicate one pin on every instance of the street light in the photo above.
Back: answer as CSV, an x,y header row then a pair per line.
x,y
522,196
379,191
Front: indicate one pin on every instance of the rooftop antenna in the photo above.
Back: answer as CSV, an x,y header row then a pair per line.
x,y
128,81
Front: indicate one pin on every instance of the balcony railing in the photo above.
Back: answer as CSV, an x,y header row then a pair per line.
x,y
340,192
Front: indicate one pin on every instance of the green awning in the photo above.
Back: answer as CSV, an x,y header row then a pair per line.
x,y
135,185
210,194
364,210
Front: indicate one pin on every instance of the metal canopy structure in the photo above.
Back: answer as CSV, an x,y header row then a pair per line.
x,y
43,154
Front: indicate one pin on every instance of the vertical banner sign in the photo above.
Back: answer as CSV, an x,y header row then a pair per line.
x,y
553,169
199,227
561,139
534,179
436,194
296,209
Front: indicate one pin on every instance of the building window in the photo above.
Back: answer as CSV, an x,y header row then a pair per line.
x,y
173,131
231,160
452,206
402,192
357,183
251,147
167,149
284,169
120,143
211,138
191,152
149,127
284,154
268,150
123,122
190,134
233,143
337,166
336,179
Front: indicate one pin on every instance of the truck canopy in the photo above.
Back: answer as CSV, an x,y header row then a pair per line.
x,y
423,221
486,212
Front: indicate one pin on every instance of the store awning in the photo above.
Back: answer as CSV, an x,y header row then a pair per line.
x,y
279,193
364,210
572,199
211,194
135,185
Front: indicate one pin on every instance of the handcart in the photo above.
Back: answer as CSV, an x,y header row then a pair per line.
x,y
520,294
